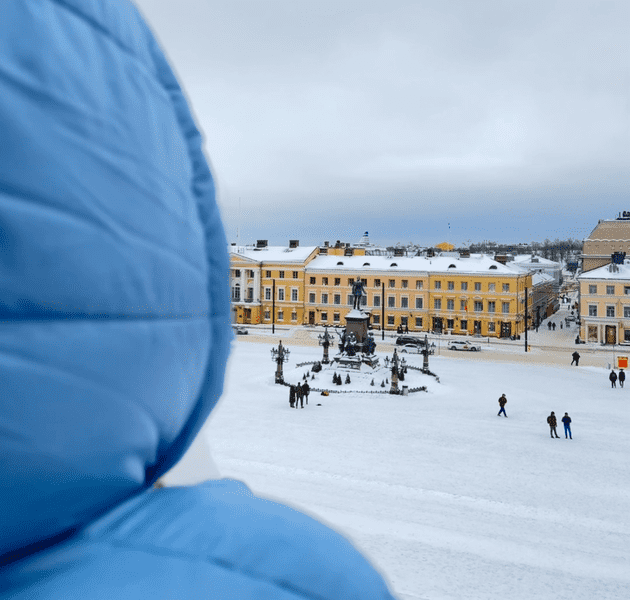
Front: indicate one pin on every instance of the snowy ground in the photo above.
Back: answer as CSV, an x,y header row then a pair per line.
x,y
447,499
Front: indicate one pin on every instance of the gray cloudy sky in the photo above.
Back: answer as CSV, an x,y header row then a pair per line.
x,y
510,120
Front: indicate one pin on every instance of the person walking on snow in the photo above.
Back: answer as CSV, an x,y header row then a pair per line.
x,y
299,396
567,425
306,388
622,377
292,396
553,423
502,403
613,378
576,358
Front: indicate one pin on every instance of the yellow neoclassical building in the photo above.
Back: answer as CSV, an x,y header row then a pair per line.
x,y
313,285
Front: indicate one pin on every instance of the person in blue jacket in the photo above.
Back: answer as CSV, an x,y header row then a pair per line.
x,y
114,335
566,420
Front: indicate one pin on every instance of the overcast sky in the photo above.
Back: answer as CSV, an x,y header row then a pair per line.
x,y
508,120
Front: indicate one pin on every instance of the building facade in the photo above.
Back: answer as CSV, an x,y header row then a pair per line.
x,y
608,237
313,286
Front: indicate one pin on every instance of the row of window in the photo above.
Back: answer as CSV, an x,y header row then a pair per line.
x,y
610,311
250,273
610,290
404,284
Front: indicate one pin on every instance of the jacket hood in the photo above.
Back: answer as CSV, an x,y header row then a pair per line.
x,y
114,306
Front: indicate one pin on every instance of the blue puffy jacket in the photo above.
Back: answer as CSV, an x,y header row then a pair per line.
x,y
114,333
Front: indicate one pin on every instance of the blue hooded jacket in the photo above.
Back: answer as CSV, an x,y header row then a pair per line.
x,y
114,334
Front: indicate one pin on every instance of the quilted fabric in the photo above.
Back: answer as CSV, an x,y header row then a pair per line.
x,y
114,333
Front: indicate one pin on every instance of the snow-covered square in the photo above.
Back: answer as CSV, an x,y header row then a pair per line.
x,y
446,498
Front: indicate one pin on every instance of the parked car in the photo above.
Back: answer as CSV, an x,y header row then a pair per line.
x,y
416,348
463,345
409,339
239,330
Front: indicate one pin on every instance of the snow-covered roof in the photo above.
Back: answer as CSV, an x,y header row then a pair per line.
x,y
534,259
477,263
540,278
279,254
605,272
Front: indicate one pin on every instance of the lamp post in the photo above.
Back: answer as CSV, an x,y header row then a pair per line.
x,y
326,341
279,355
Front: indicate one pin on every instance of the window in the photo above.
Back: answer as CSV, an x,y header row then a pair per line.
x,y
391,301
610,311
294,316
324,298
404,283
294,294
419,284
311,297
626,312
450,305
626,290
280,315
324,280
506,287
390,319
267,315
451,285
392,283
350,300
491,328
610,290
478,306
419,303
464,285
313,280
337,280
336,317
491,287
237,272
592,289
377,283
404,321
477,286
376,319
450,324
437,285
418,321
492,306
236,293
268,274
437,304
463,325
592,310
377,301
324,316
350,281
295,274
505,307
280,294
462,305
337,298
281,275
267,293
404,302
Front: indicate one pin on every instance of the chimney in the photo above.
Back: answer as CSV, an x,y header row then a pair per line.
x,y
261,243
464,254
294,243
501,258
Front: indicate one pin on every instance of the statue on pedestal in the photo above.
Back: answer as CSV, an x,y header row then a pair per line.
x,y
358,291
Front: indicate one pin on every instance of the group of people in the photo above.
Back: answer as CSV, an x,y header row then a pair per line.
x,y
298,393
551,419
614,377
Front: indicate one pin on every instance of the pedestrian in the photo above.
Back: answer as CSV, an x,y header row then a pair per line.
x,y
406,328
567,425
292,396
560,324
299,396
613,378
549,325
553,423
306,388
622,377
502,403
553,326
576,358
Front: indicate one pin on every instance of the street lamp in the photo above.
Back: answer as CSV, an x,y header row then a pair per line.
x,y
326,341
279,355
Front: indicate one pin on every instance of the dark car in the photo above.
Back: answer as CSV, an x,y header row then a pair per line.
x,y
409,339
